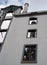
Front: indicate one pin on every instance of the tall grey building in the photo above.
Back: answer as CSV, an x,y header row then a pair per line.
x,y
26,38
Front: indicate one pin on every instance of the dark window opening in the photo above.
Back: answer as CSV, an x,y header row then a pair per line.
x,y
33,21
31,33
30,54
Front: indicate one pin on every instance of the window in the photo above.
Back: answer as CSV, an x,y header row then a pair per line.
x,y
32,21
5,24
30,54
9,15
2,36
31,33
4,27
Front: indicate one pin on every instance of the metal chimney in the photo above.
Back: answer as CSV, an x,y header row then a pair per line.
x,y
25,9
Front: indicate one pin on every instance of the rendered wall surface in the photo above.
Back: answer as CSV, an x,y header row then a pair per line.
x,y
11,53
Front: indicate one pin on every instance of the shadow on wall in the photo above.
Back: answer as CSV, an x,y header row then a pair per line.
x,y
1,45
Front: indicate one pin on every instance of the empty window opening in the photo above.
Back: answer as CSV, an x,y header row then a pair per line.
x,y
9,14
5,24
4,27
2,36
30,54
31,33
33,21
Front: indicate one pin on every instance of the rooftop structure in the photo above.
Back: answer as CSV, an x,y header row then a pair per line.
x,y
25,9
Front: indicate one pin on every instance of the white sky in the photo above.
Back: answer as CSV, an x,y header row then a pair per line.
x,y
34,5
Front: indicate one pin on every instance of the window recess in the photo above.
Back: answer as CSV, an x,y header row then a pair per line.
x,y
32,33
5,24
9,15
29,54
32,20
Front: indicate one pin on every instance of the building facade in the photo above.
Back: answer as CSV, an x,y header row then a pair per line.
x,y
26,40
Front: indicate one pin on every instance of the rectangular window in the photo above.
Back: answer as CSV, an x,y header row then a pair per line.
x,y
9,14
32,20
30,54
5,24
31,33
4,28
2,36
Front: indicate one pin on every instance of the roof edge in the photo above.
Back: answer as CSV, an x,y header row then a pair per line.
x,y
32,13
12,6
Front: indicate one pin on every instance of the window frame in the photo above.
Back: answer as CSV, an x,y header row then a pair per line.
x,y
31,37
22,61
34,19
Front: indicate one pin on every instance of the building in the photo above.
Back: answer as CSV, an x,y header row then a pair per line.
x,y
26,40
6,16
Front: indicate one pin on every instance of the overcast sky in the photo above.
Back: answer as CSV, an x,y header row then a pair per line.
x,y
34,5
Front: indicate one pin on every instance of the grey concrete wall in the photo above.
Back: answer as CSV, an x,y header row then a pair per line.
x,y
12,50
